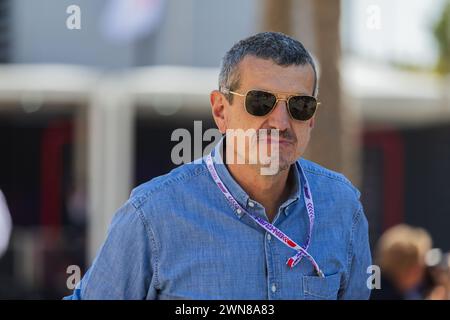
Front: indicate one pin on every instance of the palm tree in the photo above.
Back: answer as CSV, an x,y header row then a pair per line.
x,y
442,34
335,138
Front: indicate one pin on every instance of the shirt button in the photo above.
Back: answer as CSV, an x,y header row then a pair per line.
x,y
251,204
239,211
274,288
269,237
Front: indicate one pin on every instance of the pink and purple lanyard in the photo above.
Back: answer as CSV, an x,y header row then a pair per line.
x,y
301,251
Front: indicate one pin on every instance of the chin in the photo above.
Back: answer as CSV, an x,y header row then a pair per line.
x,y
284,164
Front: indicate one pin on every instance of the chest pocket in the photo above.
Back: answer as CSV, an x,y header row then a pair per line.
x,y
318,288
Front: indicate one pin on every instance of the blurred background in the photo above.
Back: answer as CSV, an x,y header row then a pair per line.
x,y
91,91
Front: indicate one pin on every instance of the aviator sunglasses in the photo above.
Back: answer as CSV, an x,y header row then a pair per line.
x,y
260,103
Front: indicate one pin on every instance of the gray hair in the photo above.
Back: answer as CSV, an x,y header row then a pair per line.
x,y
276,46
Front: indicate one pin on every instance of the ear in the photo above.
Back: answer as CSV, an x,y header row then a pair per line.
x,y
218,103
312,122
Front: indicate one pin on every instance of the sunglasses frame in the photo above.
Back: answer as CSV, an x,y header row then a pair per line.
x,y
290,95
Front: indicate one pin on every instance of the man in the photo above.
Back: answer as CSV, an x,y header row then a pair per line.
x,y
223,230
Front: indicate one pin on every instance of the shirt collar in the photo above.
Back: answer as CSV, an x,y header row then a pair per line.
x,y
236,190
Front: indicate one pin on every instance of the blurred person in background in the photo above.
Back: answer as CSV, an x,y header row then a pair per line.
x,y
5,225
400,254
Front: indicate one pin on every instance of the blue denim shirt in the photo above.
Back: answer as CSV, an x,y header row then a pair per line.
x,y
177,237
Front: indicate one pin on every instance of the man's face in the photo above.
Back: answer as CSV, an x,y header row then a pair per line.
x,y
256,73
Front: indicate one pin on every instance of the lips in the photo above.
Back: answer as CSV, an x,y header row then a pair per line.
x,y
280,141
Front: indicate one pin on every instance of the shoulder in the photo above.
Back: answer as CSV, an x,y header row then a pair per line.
x,y
328,179
338,200
168,183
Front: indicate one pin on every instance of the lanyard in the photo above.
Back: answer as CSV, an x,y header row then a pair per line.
x,y
301,251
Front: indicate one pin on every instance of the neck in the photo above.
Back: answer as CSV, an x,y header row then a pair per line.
x,y
269,191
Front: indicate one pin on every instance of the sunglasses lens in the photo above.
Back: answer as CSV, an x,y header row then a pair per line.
x,y
259,103
302,107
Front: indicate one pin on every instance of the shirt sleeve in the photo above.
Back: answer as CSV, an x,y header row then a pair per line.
x,y
359,259
123,268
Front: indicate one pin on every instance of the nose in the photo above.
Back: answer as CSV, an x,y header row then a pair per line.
x,y
279,118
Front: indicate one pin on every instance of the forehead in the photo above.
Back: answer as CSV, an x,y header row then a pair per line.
x,y
257,73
